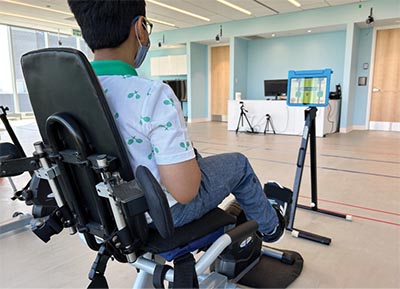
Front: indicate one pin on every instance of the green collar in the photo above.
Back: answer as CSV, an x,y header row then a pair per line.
x,y
112,67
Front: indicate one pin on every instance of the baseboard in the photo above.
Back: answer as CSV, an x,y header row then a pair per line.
x,y
384,126
359,127
345,129
196,120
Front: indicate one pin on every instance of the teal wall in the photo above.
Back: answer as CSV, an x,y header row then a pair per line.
x,y
361,92
343,51
240,62
198,81
273,58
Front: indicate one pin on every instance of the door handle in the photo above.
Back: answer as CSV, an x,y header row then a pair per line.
x,y
375,89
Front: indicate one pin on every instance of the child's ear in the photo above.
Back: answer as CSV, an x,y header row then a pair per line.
x,y
141,30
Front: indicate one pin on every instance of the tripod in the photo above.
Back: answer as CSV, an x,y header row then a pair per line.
x,y
268,123
243,114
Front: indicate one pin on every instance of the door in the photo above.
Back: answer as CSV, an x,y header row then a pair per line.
x,y
385,97
219,82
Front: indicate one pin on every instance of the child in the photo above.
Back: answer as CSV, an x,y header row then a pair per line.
x,y
151,123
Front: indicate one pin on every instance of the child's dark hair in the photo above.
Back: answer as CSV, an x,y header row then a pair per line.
x,y
106,23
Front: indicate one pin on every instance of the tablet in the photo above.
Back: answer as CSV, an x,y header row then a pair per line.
x,y
309,87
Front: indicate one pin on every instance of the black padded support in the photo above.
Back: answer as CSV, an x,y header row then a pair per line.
x,y
209,223
272,273
62,80
72,113
8,151
156,202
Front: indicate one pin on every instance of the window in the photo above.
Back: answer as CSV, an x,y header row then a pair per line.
x,y
56,40
6,87
24,40
86,50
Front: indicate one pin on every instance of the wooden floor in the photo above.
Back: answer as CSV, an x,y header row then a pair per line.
x,y
358,174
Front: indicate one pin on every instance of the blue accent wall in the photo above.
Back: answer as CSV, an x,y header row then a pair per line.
x,y
273,58
240,55
361,92
198,81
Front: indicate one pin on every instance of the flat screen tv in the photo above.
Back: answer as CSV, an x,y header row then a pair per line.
x,y
275,87
179,87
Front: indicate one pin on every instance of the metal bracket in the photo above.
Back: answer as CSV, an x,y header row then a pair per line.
x,y
103,190
48,174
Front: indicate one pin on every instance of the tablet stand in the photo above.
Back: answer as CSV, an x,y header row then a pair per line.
x,y
309,134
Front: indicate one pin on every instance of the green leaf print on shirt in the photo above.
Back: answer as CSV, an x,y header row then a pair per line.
x,y
116,115
134,94
167,126
169,102
185,145
144,119
134,139
106,91
154,151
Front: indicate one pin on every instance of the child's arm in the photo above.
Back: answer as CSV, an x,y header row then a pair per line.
x,y
182,180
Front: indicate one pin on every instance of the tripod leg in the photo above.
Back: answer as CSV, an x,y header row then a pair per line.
x,y
248,122
266,125
240,119
272,126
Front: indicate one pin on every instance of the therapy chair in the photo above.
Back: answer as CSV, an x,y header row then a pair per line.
x,y
99,196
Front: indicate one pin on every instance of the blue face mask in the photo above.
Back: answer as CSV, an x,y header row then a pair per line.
x,y
141,53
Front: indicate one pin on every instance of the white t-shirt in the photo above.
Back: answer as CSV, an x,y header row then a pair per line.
x,y
148,116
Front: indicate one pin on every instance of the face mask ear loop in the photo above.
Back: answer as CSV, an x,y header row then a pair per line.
x,y
137,35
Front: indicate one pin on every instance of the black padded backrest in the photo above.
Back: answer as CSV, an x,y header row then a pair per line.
x,y
72,114
62,80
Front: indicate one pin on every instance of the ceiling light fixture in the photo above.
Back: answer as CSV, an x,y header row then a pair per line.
x,y
309,31
295,3
179,10
235,7
38,19
38,7
273,35
161,22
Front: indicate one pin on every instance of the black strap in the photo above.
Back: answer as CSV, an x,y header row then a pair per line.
x,y
159,276
96,273
185,275
98,282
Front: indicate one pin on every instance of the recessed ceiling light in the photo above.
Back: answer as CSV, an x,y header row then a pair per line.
x,y
295,3
235,7
39,19
309,31
38,7
179,10
273,35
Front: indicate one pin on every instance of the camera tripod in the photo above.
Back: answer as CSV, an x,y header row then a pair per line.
x,y
243,115
268,123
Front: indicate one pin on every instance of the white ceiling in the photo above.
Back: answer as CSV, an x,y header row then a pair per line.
x,y
212,9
